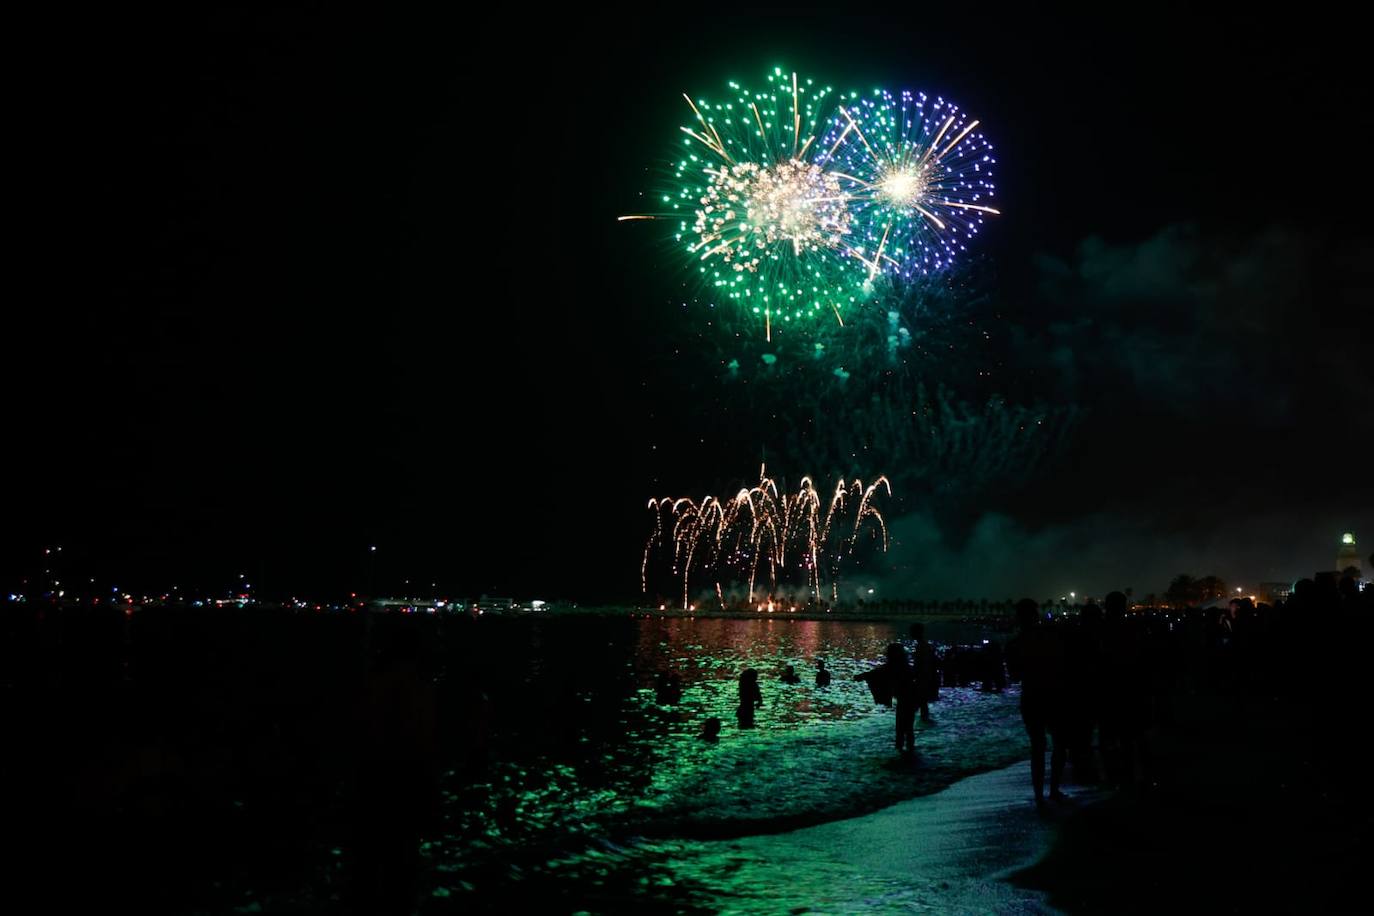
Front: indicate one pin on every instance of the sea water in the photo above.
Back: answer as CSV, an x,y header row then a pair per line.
x,y
597,797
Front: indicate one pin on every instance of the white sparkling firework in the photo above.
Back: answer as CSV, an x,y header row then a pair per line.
x,y
919,175
747,208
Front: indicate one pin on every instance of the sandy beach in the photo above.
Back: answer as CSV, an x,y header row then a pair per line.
x,y
1265,789
949,852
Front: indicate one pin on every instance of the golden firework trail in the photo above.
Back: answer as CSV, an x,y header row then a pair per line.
x,y
763,529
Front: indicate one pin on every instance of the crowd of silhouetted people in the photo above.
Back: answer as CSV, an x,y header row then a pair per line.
x,y
1093,684
1096,684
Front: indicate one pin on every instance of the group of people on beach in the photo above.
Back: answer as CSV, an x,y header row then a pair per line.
x,y
1093,685
907,686
910,686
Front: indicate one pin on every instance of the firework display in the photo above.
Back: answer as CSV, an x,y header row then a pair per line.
x,y
917,175
764,226
801,208
793,537
792,205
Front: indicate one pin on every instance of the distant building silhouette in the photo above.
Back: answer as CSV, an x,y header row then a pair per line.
x,y
1349,555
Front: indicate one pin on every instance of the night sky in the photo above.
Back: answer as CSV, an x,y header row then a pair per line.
x,y
290,286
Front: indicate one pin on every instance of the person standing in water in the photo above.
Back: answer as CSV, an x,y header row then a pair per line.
x,y
894,681
750,697
1036,657
927,679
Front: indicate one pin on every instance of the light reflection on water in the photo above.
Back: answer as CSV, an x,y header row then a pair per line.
x,y
622,820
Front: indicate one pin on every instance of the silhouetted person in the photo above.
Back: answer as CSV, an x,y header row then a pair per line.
x,y
1084,686
895,681
927,678
710,730
750,697
822,674
397,774
790,676
1349,587
994,667
1126,692
667,688
1244,641
1035,656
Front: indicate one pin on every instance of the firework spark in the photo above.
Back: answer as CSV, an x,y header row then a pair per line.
x,y
760,529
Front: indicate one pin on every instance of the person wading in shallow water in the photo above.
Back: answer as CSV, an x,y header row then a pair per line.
x,y
894,680
927,679
1036,657
710,730
750,697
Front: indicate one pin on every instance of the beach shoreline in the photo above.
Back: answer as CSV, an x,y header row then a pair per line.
x,y
1239,789
952,851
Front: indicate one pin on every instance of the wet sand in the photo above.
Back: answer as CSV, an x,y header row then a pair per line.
x,y
949,852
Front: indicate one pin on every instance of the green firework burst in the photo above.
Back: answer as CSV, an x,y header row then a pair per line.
x,y
764,227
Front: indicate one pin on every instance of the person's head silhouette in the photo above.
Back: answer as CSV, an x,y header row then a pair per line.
x,y
1115,604
710,729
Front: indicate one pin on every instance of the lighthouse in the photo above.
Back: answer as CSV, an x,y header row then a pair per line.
x,y
1349,555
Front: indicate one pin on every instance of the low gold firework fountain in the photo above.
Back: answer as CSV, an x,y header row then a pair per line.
x,y
762,529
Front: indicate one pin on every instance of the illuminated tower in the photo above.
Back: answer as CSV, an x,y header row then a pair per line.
x,y
1349,554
